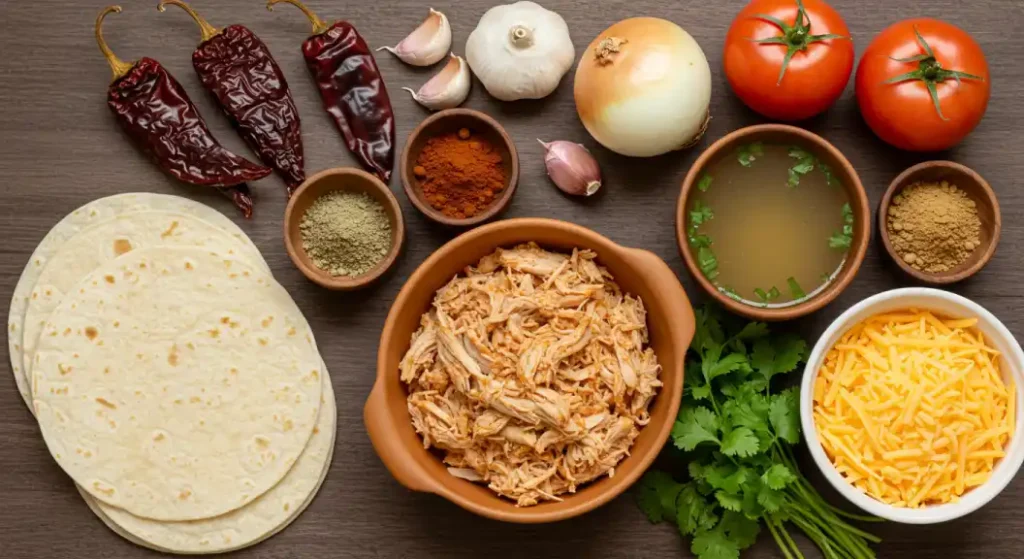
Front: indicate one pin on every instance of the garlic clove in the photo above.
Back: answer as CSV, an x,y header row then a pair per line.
x,y
571,167
427,44
447,89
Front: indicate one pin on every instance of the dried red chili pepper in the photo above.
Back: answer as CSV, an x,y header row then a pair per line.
x,y
238,69
351,89
154,110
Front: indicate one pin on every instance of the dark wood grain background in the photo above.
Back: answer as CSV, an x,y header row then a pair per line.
x,y
60,148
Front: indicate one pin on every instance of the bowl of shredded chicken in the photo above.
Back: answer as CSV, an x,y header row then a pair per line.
x,y
530,370
532,373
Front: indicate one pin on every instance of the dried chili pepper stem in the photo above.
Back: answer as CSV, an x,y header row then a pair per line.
x,y
208,31
319,25
117,66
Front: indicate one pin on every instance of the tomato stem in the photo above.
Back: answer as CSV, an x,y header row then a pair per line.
x,y
796,37
930,71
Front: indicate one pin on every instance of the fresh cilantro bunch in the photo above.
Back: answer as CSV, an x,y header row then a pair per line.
x,y
736,431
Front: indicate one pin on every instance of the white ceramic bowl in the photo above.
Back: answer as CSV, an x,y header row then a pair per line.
x,y
1012,365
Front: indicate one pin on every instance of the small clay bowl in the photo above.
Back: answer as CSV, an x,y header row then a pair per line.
x,y
841,169
344,179
446,122
977,189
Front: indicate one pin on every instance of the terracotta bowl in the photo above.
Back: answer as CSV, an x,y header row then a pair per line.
x,y
976,188
328,181
446,122
843,171
670,322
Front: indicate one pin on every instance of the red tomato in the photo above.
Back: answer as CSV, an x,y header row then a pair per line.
x,y
903,112
815,76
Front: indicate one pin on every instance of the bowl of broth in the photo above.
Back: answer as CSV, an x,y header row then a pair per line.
x,y
773,222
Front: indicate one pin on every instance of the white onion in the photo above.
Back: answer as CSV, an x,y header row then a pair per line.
x,y
643,88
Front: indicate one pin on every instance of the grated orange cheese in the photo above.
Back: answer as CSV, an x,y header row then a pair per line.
x,y
912,407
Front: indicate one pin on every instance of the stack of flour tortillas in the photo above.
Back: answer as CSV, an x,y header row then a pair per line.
x,y
173,379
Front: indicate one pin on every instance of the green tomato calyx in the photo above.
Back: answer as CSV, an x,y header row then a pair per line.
x,y
930,71
796,37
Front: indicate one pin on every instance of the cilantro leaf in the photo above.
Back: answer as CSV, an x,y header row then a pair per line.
x,y
740,442
704,183
767,296
700,214
844,238
729,501
714,544
778,476
748,410
693,512
656,496
708,262
804,164
698,240
784,416
840,241
770,499
749,152
794,289
752,331
830,178
742,530
695,426
791,350
728,477
700,392
725,365
799,153
762,358
696,470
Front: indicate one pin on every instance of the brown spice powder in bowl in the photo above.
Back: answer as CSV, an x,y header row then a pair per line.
x,y
461,174
934,226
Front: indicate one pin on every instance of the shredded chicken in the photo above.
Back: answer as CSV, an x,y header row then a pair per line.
x,y
532,373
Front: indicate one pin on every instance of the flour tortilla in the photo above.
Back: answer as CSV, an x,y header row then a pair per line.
x,y
89,248
89,214
249,525
177,384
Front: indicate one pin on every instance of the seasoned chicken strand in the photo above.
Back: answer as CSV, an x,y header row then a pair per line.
x,y
531,373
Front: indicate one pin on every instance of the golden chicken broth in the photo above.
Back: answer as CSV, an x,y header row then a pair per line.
x,y
769,224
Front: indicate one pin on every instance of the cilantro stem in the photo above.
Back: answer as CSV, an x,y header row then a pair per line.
x,y
834,531
816,535
789,539
778,539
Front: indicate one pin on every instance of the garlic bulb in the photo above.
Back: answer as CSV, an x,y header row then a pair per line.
x,y
447,89
427,44
520,51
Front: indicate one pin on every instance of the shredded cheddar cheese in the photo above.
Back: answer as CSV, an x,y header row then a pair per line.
x,y
912,408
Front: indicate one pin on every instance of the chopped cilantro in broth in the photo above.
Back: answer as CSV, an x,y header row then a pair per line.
x,y
770,224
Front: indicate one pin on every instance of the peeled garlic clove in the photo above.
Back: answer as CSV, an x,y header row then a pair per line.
x,y
571,167
427,44
448,89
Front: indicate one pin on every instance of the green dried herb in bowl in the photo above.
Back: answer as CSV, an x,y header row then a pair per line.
x,y
346,233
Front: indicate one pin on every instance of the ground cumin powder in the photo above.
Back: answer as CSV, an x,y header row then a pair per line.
x,y
934,227
460,174
346,233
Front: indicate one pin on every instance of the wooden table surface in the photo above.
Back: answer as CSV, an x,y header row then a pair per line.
x,y
61,148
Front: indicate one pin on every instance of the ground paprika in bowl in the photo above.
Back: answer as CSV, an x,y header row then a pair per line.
x,y
460,168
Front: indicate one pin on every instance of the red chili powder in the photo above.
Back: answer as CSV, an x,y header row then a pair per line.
x,y
460,174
